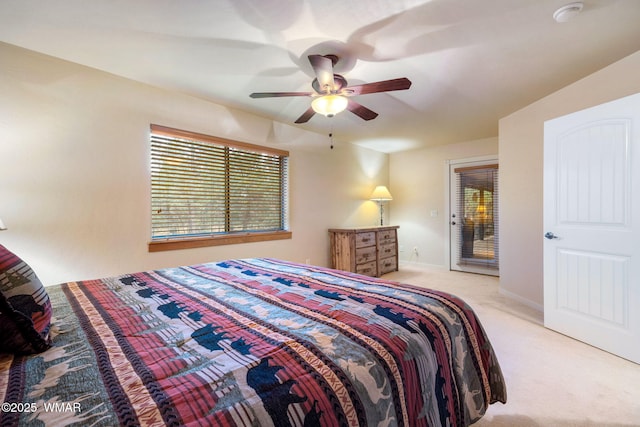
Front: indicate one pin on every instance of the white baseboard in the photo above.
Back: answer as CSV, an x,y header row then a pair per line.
x,y
421,264
521,300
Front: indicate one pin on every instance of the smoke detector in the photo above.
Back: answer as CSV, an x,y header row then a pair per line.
x,y
568,12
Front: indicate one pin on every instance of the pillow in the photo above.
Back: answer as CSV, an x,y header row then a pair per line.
x,y
25,309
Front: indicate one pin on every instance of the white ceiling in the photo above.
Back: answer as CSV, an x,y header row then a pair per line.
x,y
471,61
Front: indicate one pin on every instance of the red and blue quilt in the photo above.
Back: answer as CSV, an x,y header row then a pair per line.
x,y
253,342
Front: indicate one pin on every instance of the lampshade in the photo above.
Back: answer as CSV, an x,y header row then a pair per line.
x,y
381,194
2,226
329,105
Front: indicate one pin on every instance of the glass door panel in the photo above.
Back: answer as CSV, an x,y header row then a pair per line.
x,y
474,222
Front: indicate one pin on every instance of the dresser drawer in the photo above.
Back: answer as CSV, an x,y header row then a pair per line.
x,y
386,236
387,265
364,255
368,269
365,239
387,250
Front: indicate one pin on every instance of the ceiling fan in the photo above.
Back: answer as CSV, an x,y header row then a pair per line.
x,y
332,95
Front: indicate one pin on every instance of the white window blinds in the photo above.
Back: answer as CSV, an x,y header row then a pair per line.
x,y
202,185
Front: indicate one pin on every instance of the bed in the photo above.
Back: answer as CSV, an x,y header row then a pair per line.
x,y
251,342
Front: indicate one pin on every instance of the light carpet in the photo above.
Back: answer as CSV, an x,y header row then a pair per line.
x,y
552,380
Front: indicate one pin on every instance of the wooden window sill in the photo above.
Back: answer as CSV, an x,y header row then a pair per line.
x,y
226,239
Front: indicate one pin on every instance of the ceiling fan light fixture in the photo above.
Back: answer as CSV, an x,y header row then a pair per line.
x,y
329,105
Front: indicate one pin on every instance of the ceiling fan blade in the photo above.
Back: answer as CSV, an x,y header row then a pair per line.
x,y
361,111
304,118
279,94
402,83
323,67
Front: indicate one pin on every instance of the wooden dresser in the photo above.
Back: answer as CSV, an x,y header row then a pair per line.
x,y
371,251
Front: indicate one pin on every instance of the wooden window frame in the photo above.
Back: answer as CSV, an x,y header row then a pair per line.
x,y
227,238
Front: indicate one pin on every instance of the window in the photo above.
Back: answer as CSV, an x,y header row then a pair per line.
x,y
211,191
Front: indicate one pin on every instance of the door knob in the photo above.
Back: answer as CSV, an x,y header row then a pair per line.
x,y
549,235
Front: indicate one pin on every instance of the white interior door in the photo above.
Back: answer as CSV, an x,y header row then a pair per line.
x,y
592,226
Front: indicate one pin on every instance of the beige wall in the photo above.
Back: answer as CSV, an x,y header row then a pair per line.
x,y
419,186
74,179
74,171
521,169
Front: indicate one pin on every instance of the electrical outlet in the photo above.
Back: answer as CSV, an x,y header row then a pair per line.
x,y
307,261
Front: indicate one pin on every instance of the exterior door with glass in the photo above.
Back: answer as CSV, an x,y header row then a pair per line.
x,y
474,222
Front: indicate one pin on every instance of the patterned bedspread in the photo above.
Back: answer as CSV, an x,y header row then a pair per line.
x,y
253,342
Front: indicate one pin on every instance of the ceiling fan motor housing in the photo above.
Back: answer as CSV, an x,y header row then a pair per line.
x,y
339,82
